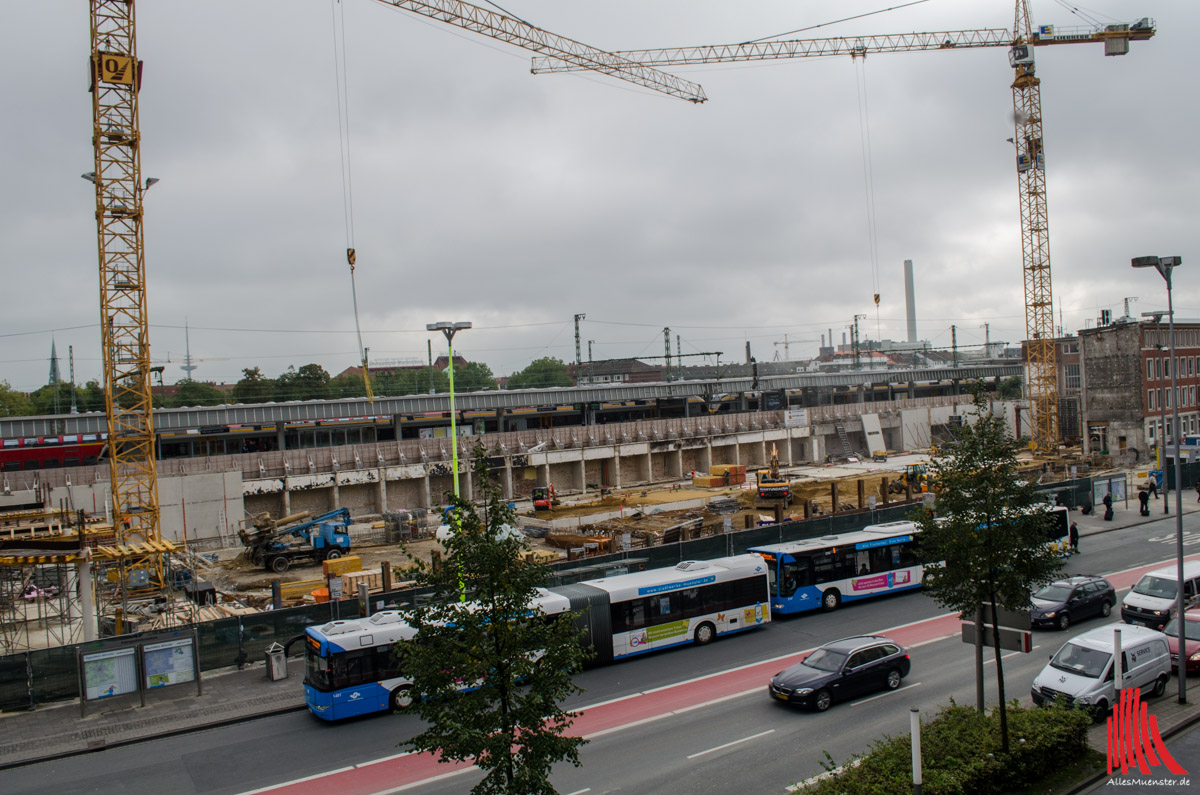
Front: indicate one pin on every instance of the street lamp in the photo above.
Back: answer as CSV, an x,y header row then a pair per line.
x,y
450,329
1164,266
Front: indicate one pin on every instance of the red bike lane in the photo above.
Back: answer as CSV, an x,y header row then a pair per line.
x,y
404,771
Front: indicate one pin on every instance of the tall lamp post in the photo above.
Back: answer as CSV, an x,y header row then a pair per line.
x,y
1165,265
450,329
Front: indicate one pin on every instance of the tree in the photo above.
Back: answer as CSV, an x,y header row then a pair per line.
x,y
989,531
541,373
310,382
1010,388
14,403
472,377
254,387
511,726
197,393
411,382
349,385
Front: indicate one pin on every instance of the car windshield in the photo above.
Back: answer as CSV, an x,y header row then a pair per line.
x,y
1081,660
1192,629
1155,586
1054,593
826,660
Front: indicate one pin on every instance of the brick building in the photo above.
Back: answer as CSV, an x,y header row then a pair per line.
x,y
1125,386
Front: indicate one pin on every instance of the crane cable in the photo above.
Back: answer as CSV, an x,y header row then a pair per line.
x,y
343,97
864,125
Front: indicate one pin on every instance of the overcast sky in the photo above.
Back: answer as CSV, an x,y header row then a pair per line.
x,y
487,194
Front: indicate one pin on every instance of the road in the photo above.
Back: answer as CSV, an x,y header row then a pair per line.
x,y
717,733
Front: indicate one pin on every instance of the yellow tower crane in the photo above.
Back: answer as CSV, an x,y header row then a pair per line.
x,y
1027,113
116,76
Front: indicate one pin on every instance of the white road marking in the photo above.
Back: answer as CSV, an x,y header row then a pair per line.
x,y
731,744
680,711
580,791
425,781
992,659
888,693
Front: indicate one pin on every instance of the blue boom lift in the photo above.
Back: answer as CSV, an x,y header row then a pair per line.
x,y
275,544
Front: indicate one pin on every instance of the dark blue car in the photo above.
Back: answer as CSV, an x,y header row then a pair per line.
x,y
841,670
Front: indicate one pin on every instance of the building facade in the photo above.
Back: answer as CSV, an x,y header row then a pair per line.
x,y
1125,387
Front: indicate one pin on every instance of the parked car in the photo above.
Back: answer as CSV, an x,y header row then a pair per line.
x,y
1191,637
841,670
1065,601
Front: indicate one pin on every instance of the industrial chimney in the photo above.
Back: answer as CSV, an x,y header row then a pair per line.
x,y
910,300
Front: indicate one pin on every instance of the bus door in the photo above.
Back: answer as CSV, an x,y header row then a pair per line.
x,y
796,581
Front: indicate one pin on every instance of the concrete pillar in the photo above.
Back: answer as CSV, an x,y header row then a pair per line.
x,y
649,466
679,461
912,390
287,496
466,481
337,493
707,459
382,500
737,451
426,491
280,437
507,483
87,606
582,473
763,449
616,467
544,475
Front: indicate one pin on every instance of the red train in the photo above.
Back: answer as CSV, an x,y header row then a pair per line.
x,y
46,452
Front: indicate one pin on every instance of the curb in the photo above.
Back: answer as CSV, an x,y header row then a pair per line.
x,y
104,746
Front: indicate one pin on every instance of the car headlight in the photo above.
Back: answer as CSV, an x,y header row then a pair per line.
x,y
1085,699
1158,612
1051,614
1195,657
804,691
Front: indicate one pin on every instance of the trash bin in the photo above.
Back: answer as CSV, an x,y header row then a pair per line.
x,y
276,663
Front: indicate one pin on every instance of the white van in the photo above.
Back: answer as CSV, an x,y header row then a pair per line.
x,y
1082,670
1152,601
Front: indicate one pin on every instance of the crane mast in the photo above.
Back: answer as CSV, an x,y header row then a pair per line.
x,y
115,80
1040,350
1041,366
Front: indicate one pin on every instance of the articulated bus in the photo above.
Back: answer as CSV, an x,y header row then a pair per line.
x,y
821,573
351,668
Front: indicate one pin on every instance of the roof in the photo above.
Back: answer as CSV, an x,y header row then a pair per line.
x,y
1101,638
856,642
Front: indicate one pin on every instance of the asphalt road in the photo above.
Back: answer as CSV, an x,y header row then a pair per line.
x,y
744,743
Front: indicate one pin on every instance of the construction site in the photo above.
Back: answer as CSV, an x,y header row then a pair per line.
x,y
305,528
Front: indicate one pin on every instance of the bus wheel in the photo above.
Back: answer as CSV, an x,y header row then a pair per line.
x,y
279,564
401,698
705,633
831,600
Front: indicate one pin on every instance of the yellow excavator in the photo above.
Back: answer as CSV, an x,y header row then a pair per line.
x,y
773,488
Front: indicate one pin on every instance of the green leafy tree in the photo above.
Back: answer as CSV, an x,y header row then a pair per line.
x,y
254,387
1010,388
541,373
310,382
988,529
14,403
473,377
197,393
90,396
411,382
512,726
349,385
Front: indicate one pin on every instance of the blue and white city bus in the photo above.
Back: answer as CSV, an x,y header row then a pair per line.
x,y
351,667
821,573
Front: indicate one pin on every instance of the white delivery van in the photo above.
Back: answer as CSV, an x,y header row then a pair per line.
x,y
1081,672
1151,602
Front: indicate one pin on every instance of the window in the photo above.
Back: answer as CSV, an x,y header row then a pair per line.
x,y
1149,369
856,659
1150,399
1166,367
1071,376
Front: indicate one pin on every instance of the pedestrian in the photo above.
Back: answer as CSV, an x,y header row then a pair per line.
x,y
1154,485
1198,491
1144,499
1108,511
1074,538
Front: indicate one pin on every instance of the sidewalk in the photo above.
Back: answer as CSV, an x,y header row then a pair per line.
x,y
230,696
